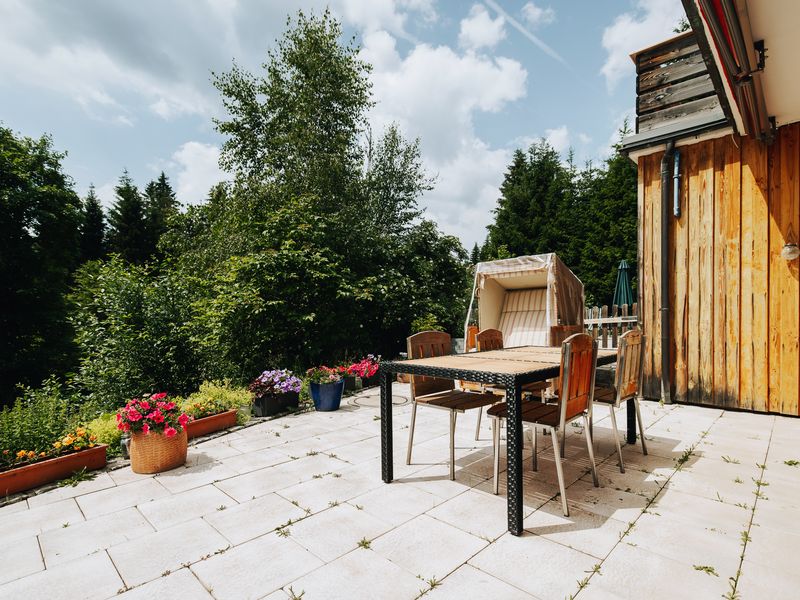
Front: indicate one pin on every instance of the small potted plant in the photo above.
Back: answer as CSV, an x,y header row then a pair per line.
x,y
158,433
367,370
275,391
351,380
326,386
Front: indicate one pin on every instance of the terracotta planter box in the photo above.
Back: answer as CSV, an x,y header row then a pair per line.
x,y
211,424
52,469
266,406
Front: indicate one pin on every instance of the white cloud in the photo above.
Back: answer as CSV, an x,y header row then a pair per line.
x,y
537,16
434,93
558,138
479,30
584,138
650,22
196,169
389,15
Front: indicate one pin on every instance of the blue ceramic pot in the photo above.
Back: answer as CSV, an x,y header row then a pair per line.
x,y
327,396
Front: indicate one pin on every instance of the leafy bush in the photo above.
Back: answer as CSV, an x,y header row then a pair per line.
x,y
215,397
37,419
427,322
323,375
105,428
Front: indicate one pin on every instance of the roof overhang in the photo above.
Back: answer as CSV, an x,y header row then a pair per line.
x,y
753,46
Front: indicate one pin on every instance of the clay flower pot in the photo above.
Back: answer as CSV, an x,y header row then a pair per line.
x,y
154,452
40,473
211,424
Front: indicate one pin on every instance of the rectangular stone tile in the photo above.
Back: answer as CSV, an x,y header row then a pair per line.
x,y
700,511
359,452
317,494
100,482
182,479
772,548
148,557
125,475
760,581
68,543
256,568
253,518
396,503
214,451
336,531
428,547
19,559
179,584
588,532
13,507
469,583
633,573
253,461
170,511
86,578
344,579
114,499
605,501
535,565
18,525
480,513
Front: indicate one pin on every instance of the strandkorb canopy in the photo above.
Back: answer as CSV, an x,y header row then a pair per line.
x,y
523,297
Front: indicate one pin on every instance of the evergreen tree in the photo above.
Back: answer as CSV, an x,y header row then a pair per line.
x,y
160,205
127,223
475,256
93,228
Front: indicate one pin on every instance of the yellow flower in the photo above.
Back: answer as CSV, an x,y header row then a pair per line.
x,y
57,445
31,453
92,438
42,454
21,454
80,432
68,440
91,445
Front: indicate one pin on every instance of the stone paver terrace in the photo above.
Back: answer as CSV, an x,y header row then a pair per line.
x,y
295,507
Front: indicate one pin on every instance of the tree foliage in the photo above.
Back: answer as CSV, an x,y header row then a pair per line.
x,y
127,220
93,228
40,220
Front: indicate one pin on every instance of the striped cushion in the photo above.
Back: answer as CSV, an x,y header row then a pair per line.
x,y
524,318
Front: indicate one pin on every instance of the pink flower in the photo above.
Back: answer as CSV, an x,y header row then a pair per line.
x,y
158,396
145,429
134,415
144,405
183,419
156,416
169,406
170,431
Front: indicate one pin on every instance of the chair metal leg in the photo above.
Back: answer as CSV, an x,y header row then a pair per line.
x,y
496,453
590,446
616,437
563,442
559,472
411,431
478,424
641,426
535,458
453,445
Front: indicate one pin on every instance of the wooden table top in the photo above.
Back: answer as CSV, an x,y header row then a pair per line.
x,y
509,361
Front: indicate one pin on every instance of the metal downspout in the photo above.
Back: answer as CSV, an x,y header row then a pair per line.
x,y
665,219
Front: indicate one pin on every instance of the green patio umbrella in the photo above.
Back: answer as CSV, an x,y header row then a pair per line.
x,y
623,293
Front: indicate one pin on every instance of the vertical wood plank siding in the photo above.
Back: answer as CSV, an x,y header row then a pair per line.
x,y
734,301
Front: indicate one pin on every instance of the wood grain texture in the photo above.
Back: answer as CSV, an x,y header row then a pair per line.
x,y
679,243
731,227
692,333
706,269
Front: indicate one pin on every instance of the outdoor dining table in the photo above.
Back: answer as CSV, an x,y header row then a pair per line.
x,y
510,368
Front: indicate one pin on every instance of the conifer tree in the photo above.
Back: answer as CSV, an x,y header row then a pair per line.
x,y
93,228
160,204
127,222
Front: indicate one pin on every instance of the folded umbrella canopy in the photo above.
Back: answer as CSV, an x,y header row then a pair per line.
x,y
623,293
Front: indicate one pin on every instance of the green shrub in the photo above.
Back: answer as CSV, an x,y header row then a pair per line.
x,y
218,396
105,428
37,419
427,322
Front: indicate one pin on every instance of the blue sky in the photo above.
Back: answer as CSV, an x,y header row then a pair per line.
x,y
122,84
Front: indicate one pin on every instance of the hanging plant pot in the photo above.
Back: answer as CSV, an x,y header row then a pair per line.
x,y
272,404
155,452
211,423
40,473
327,396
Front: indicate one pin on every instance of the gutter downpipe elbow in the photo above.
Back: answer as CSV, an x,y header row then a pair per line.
x,y
666,368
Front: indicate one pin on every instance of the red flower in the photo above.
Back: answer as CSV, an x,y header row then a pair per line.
x,y
156,416
144,405
183,419
169,406
159,396
134,415
145,429
170,431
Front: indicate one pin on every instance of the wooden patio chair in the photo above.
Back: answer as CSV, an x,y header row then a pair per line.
x,y
439,393
492,339
621,383
574,401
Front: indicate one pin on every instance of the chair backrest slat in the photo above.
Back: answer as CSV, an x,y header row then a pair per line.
x,y
629,364
578,364
489,339
427,344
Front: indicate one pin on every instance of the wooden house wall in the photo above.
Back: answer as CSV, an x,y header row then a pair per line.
x,y
735,302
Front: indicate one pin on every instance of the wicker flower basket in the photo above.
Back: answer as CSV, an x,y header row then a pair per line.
x,y
154,452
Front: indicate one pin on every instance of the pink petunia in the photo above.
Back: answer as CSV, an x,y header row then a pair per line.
x,y
156,416
134,415
169,406
145,429
159,396
183,419
144,405
170,431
